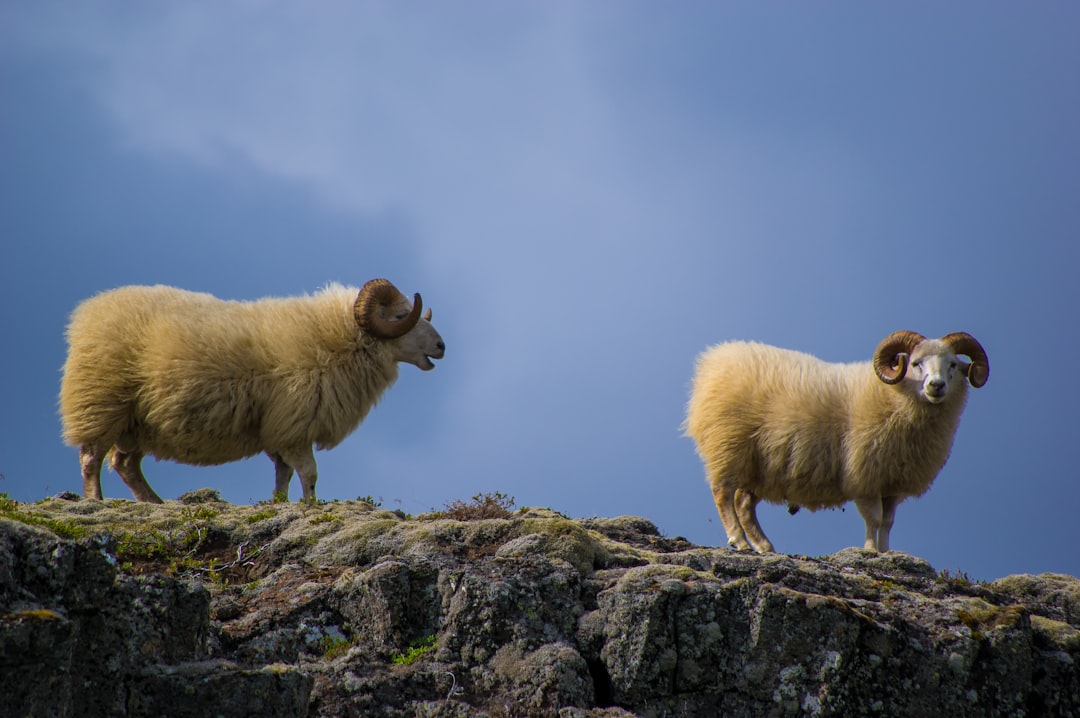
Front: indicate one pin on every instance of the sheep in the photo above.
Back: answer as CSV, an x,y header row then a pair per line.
x,y
782,426
188,377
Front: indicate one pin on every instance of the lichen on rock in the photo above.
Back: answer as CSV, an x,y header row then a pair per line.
x,y
201,607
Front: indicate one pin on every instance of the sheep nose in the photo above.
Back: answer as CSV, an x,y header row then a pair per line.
x,y
936,384
442,346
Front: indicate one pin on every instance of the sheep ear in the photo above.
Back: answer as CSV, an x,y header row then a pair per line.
x,y
427,314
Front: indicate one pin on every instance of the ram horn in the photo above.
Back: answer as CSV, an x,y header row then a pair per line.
x,y
964,344
381,293
891,357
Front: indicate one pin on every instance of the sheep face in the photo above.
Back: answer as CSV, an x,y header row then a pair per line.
x,y
935,371
931,368
420,345
385,313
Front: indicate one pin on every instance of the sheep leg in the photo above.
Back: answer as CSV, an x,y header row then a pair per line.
x,y
282,476
129,465
746,508
90,458
888,515
303,461
873,513
724,496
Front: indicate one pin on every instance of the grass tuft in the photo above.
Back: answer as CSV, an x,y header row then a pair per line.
x,y
483,506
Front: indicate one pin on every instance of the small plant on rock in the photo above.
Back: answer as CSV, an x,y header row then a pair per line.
x,y
324,518
414,652
483,506
957,580
261,516
334,646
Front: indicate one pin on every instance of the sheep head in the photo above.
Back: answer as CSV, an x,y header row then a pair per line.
x,y
932,362
385,313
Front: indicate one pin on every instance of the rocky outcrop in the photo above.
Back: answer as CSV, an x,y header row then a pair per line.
x,y
198,607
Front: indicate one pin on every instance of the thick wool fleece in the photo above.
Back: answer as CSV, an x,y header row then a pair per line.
x,y
189,377
792,428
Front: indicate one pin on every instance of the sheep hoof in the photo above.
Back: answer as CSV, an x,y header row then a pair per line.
x,y
739,545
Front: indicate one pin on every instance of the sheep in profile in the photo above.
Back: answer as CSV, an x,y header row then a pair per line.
x,y
188,377
785,427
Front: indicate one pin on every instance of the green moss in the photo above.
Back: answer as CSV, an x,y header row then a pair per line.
x,y
364,532
36,614
198,513
416,650
325,518
659,577
1058,632
555,527
149,545
176,545
10,509
261,516
333,646
981,617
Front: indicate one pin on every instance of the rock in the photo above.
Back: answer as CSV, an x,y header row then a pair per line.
x,y
1049,594
199,607
74,628
217,687
544,680
390,606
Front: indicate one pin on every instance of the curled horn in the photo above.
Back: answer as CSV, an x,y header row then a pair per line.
x,y
964,344
891,357
381,293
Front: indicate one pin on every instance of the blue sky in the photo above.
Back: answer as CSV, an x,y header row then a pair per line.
x,y
587,195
